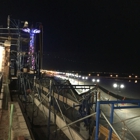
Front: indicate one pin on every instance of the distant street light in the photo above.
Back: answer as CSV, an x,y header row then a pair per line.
x,y
84,78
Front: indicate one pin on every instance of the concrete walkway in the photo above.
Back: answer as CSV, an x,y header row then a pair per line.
x,y
4,125
19,127
4,113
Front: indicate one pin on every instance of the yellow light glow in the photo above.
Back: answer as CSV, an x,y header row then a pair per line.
x,y
2,52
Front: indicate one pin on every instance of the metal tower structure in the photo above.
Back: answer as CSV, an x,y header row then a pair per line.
x,y
31,58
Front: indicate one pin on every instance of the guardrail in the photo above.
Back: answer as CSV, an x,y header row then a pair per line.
x,y
112,103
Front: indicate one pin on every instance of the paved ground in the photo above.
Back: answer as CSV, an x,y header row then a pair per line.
x,y
4,125
4,115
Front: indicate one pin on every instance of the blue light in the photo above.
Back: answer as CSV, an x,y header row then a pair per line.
x,y
26,30
35,31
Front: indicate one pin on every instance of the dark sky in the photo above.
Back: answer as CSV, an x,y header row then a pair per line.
x,y
93,35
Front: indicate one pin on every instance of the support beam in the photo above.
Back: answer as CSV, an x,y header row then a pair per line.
x,y
60,97
59,122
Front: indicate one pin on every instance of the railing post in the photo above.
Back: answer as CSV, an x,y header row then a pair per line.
x,y
49,106
97,115
111,121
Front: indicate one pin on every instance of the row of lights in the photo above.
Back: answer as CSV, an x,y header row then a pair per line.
x,y
76,75
84,77
99,75
96,80
116,75
93,80
131,76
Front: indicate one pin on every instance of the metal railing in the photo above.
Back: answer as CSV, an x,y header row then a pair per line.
x,y
38,87
113,107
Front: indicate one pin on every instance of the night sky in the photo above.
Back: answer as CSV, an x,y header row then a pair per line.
x,y
86,35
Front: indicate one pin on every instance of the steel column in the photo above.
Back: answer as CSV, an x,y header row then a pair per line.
x,y
97,119
111,121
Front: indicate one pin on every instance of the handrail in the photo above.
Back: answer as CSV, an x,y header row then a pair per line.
x,y
111,125
11,120
112,111
123,121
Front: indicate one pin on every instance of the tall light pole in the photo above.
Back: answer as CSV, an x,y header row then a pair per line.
x,y
84,78
79,76
118,87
